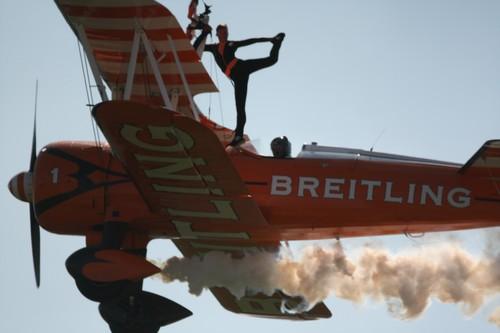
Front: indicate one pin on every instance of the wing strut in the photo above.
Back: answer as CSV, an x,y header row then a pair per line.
x,y
156,70
131,65
140,36
183,78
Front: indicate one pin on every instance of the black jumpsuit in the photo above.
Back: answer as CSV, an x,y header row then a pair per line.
x,y
241,70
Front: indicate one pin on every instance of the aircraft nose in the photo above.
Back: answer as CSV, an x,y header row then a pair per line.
x,y
21,186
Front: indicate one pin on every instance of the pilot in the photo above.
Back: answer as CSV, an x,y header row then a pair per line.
x,y
239,70
281,147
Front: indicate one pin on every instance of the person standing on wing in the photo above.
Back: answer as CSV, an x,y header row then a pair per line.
x,y
239,70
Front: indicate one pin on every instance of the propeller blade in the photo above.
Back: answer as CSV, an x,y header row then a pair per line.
x,y
35,228
35,244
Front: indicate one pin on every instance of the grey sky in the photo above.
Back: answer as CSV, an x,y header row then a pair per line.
x,y
424,73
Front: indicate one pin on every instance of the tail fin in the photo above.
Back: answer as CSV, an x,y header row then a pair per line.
x,y
485,162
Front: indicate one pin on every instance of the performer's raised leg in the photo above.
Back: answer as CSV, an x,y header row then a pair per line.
x,y
254,65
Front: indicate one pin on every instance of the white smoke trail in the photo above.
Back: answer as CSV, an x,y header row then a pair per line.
x,y
495,317
406,281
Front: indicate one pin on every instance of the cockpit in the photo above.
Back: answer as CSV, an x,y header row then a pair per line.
x,y
315,151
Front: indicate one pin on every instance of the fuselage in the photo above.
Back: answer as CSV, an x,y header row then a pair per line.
x,y
300,198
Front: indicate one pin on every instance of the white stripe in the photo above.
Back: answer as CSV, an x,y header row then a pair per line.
x,y
152,88
170,68
125,46
126,23
108,3
139,89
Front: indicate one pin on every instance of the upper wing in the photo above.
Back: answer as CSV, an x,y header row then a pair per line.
x,y
251,304
110,26
178,165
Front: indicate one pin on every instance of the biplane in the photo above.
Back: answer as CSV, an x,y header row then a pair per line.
x,y
165,173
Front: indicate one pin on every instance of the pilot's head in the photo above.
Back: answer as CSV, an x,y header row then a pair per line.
x,y
281,147
222,32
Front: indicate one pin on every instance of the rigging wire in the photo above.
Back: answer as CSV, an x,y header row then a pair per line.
x,y
92,102
83,71
88,94
212,70
87,80
220,93
377,139
210,94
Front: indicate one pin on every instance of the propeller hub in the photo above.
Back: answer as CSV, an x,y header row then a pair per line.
x,y
21,186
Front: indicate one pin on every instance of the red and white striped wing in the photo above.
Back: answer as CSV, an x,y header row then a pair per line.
x,y
109,26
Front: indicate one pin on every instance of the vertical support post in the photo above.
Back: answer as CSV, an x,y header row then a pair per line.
x,y
93,63
183,78
156,70
131,65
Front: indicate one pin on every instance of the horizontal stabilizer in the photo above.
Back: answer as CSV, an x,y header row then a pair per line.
x,y
106,265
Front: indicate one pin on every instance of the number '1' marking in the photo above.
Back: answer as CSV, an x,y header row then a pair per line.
x,y
55,175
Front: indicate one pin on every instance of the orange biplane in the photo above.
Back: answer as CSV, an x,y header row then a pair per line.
x,y
166,174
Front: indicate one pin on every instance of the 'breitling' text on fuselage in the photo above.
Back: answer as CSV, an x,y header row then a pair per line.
x,y
370,190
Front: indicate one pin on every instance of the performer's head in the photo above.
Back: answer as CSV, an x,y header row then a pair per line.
x,y
222,32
